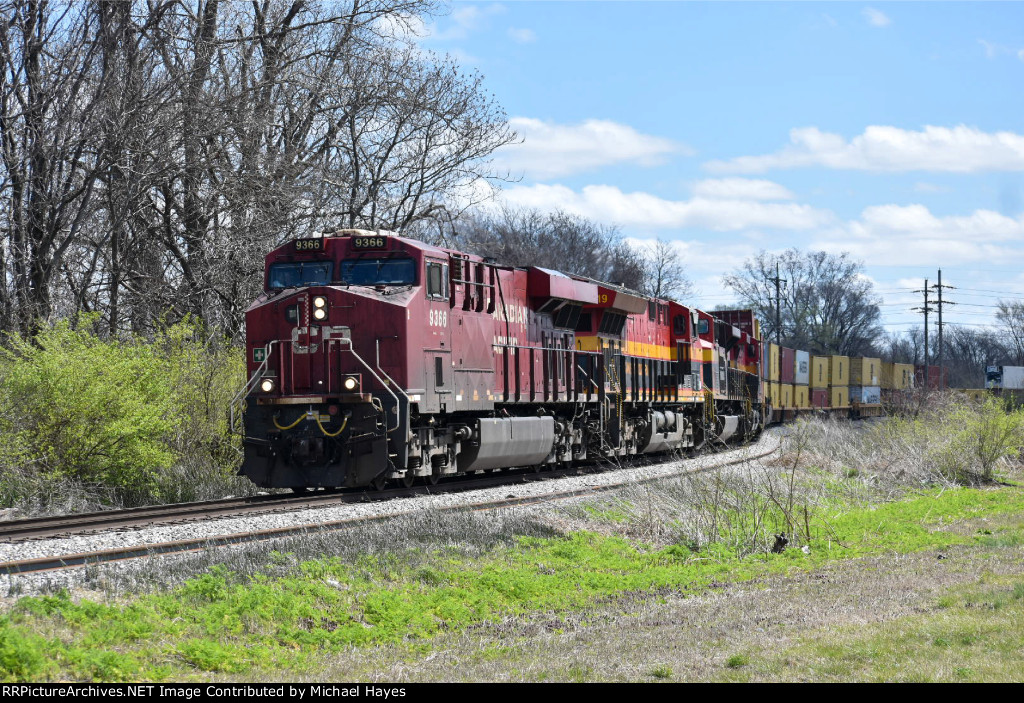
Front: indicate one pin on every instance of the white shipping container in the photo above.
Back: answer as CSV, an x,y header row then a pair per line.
x,y
1011,377
803,368
866,395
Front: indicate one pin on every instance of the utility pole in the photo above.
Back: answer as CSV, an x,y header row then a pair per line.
x,y
778,304
938,287
926,309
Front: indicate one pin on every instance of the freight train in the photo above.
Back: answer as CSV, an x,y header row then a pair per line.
x,y
374,358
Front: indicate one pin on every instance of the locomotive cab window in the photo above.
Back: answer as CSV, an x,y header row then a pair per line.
x,y
303,273
378,272
437,281
681,325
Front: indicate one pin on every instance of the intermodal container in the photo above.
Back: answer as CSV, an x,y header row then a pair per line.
x,y
904,376
933,377
802,374
787,395
839,371
866,395
897,377
819,397
839,397
773,362
888,375
976,395
775,393
801,396
865,371
1004,377
819,372
787,359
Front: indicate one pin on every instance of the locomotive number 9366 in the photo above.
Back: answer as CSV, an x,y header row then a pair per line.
x,y
438,318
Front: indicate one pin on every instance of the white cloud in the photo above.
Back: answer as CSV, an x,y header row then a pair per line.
x,y
922,187
608,204
890,235
402,27
464,19
876,18
741,189
522,36
882,148
551,150
993,51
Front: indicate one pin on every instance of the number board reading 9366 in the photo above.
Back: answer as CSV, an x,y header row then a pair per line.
x,y
309,244
369,242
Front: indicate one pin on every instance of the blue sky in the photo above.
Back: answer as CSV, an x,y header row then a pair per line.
x,y
894,131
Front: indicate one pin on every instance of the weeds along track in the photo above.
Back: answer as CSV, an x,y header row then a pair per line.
x,y
78,550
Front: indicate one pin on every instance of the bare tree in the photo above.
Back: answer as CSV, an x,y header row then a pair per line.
x,y
967,352
561,241
827,305
1011,320
664,275
50,91
902,347
152,152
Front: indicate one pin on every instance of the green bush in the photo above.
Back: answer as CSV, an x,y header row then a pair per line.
x,y
131,420
954,440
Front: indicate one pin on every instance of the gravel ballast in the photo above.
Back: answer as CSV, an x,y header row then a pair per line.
x,y
23,584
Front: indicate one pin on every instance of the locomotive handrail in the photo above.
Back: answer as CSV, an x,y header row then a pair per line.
x,y
408,400
374,374
249,385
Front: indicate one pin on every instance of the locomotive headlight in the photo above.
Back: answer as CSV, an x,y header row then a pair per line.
x,y
319,302
319,313
351,383
267,385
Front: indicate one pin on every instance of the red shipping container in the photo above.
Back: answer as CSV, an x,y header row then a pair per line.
x,y
788,363
819,397
933,377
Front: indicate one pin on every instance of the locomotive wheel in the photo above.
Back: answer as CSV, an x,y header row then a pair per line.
x,y
433,477
379,483
409,479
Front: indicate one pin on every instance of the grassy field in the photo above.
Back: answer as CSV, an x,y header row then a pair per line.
x,y
885,578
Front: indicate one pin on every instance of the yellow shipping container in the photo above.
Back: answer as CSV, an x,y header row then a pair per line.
x,y
775,394
773,362
839,396
888,376
787,395
839,371
819,372
897,376
977,395
801,397
865,371
904,375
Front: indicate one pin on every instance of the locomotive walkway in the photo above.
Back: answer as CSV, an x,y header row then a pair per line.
x,y
27,531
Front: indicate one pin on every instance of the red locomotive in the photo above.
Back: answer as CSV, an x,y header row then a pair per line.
x,y
376,358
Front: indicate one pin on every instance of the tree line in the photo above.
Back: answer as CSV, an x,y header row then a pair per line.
x,y
152,152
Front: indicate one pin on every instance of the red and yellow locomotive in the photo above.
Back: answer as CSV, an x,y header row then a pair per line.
x,y
376,358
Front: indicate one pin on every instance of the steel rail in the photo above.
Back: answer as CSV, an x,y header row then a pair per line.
x,y
54,563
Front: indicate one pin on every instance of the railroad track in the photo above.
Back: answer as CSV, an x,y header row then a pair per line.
x,y
232,507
